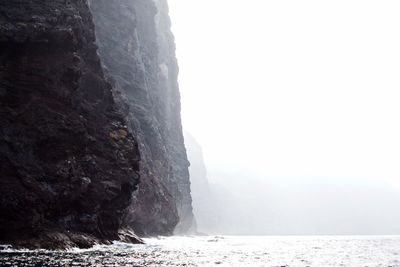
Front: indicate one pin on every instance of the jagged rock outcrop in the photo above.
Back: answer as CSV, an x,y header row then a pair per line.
x,y
138,51
68,162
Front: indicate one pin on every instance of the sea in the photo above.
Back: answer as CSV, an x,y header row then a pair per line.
x,y
276,251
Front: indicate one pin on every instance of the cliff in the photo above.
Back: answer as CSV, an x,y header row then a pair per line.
x,y
74,144
137,49
216,208
205,204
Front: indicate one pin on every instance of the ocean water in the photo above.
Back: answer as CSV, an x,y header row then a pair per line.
x,y
223,251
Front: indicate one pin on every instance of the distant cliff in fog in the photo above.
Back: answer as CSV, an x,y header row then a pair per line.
x,y
216,209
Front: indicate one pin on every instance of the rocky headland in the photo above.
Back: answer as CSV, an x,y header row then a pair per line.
x,y
91,145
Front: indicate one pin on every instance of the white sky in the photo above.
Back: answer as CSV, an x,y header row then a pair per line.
x,y
292,88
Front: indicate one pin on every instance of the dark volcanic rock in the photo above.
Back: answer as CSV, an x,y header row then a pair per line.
x,y
68,162
137,48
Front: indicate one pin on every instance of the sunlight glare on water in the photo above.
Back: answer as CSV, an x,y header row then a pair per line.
x,y
224,251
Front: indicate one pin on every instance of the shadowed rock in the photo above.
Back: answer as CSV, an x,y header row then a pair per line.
x,y
68,163
137,49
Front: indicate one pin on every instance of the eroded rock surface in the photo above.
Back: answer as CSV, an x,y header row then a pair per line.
x,y
74,141
137,49
68,162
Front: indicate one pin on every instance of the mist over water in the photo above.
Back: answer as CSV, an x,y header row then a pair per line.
x,y
241,202
295,107
309,206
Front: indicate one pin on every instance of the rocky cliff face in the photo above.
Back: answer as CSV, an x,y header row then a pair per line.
x,y
68,163
137,49
75,142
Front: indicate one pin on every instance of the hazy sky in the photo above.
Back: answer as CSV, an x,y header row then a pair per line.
x,y
292,88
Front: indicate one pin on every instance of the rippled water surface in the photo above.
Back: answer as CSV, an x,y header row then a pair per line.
x,y
224,251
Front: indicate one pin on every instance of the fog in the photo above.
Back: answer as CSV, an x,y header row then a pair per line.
x,y
295,107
